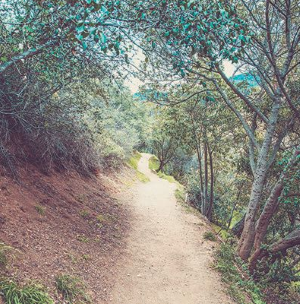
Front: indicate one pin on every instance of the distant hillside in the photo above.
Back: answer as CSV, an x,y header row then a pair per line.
x,y
252,82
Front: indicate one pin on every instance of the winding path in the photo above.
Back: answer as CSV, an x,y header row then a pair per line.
x,y
167,260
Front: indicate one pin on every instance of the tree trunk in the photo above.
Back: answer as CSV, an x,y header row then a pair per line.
x,y
270,209
199,157
247,238
205,199
161,166
248,234
237,229
280,247
211,197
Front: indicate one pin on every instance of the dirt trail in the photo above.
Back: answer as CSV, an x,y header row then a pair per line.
x,y
167,260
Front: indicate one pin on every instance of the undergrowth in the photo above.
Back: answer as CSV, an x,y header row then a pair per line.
x,y
13,293
221,232
71,289
234,273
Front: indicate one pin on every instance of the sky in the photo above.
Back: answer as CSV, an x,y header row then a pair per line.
x,y
133,83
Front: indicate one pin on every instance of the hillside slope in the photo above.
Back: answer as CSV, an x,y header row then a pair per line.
x,y
63,224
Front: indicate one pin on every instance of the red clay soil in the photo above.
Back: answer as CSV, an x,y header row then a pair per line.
x,y
63,224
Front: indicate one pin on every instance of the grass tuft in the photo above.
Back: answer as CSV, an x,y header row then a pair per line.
x,y
83,239
85,214
208,235
4,252
13,293
71,289
40,209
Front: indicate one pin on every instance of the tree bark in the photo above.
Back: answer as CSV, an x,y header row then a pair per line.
x,y
270,209
211,197
237,229
247,238
205,194
234,208
289,241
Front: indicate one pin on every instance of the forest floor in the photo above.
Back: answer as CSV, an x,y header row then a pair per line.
x,y
166,259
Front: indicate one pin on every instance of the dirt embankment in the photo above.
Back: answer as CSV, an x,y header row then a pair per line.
x,y
63,224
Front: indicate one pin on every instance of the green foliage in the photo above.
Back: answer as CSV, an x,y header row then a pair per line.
x,y
101,218
134,160
13,293
234,274
63,104
208,235
133,163
83,239
153,163
85,214
169,178
225,235
142,177
86,257
40,209
180,195
72,289
5,252
154,166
